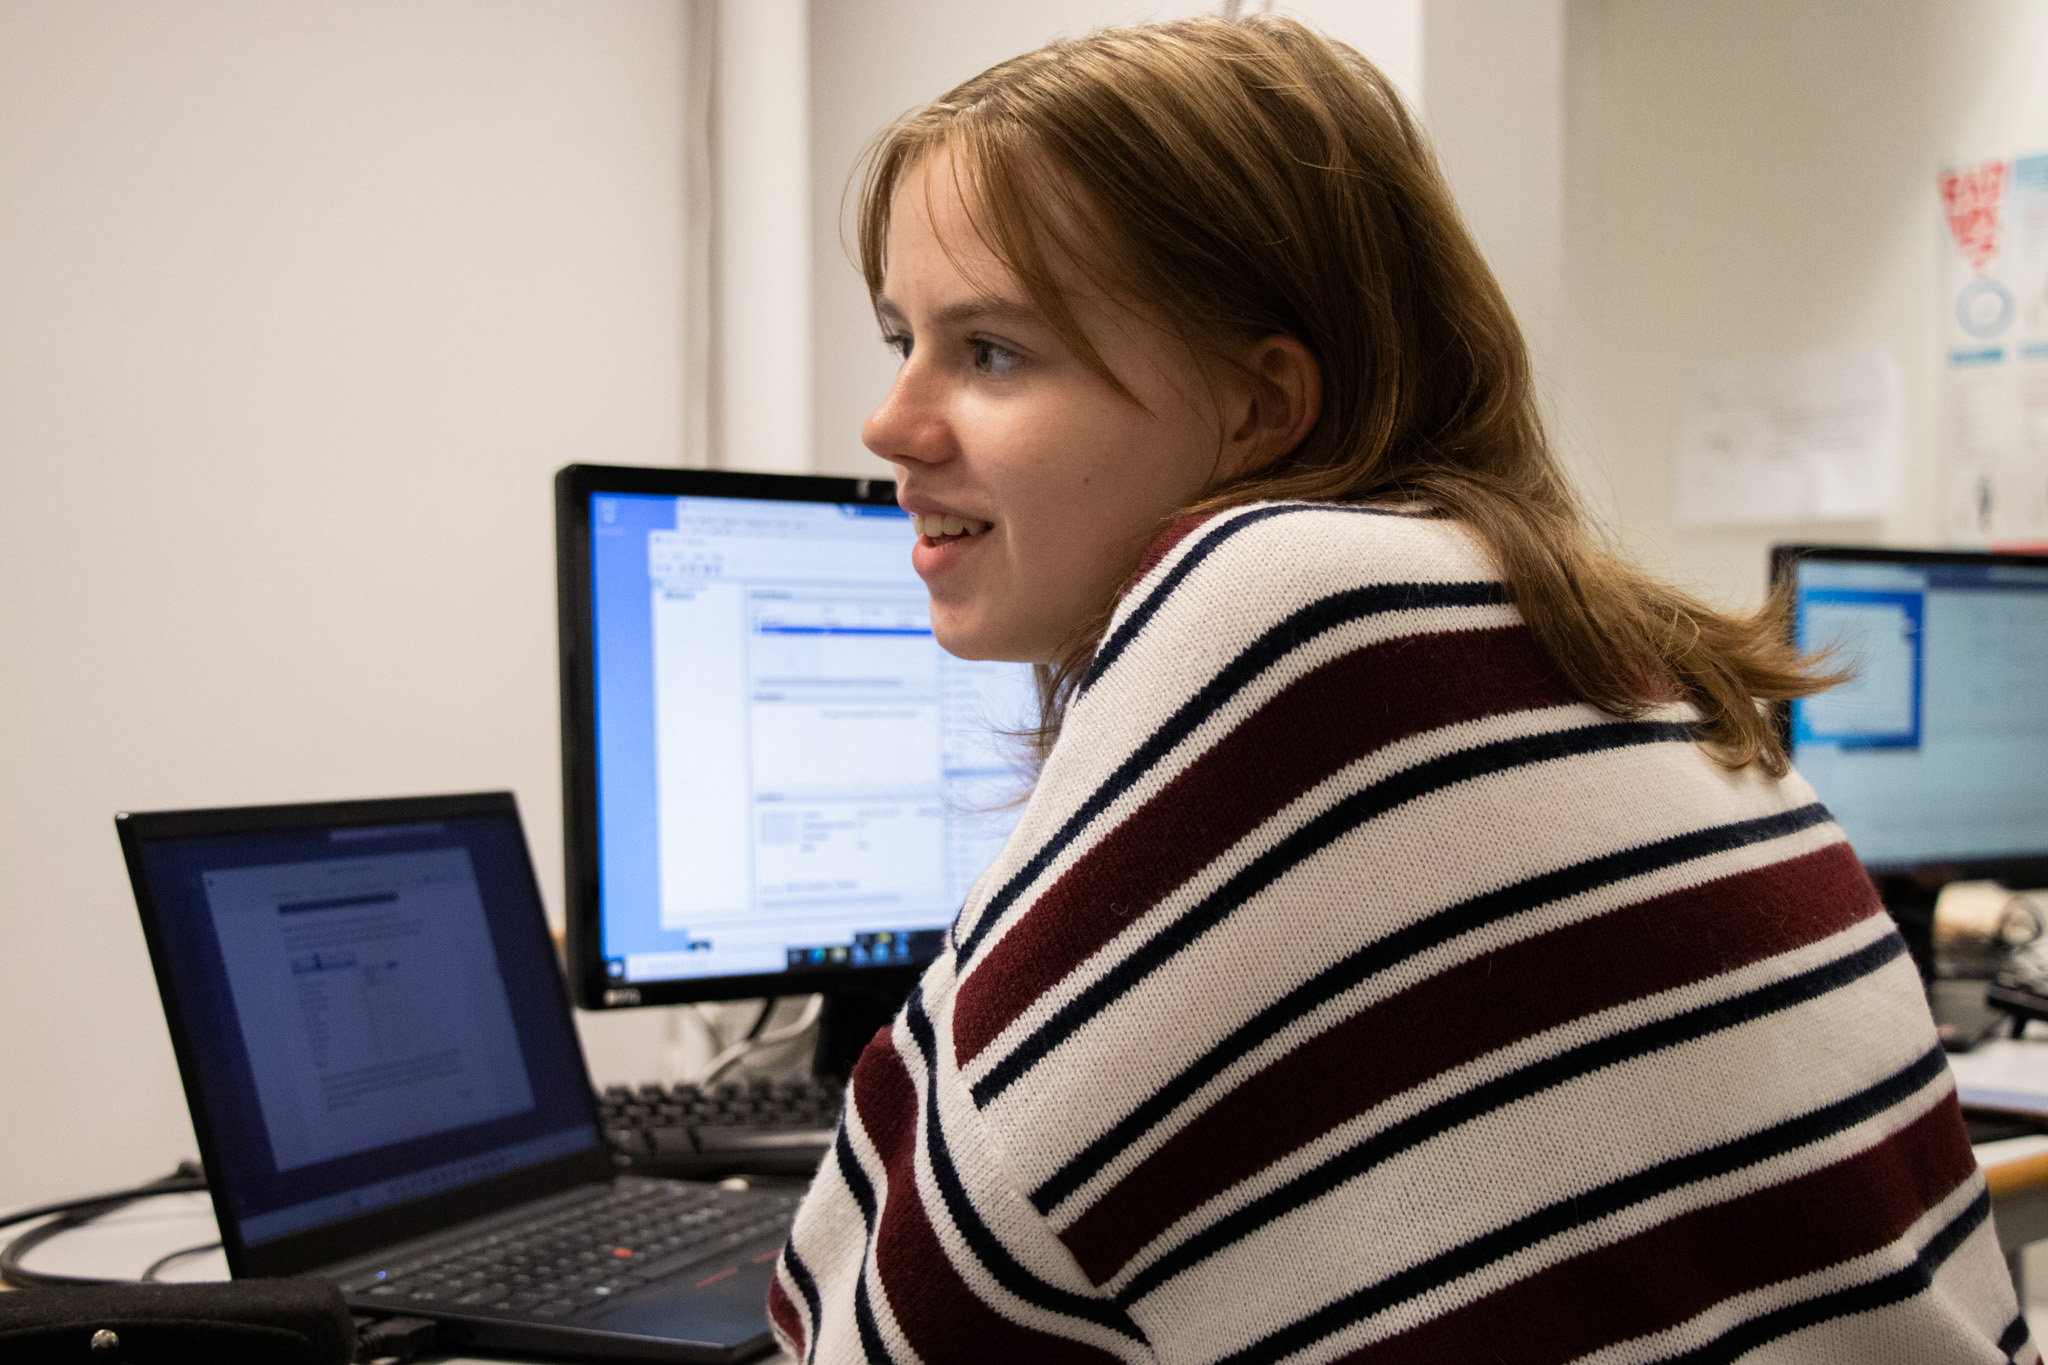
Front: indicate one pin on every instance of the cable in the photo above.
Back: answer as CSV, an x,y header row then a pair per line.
x,y
761,1019
187,1171
74,1213
394,1339
149,1276
719,1064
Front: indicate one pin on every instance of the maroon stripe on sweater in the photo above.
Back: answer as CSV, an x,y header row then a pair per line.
x,y
885,1099
1330,716
1668,1274
784,1315
1465,1012
937,1311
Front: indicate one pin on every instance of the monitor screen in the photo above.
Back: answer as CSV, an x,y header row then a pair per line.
x,y
1936,751
365,1003
784,774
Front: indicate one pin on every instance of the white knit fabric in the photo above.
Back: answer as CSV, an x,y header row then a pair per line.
x,y
1349,992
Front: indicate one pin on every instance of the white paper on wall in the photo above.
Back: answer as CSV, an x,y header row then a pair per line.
x,y
1994,431
1807,437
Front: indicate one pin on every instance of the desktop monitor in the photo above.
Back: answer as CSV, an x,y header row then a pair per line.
x,y
775,781
1934,756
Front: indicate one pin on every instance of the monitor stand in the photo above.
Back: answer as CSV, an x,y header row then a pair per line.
x,y
851,1015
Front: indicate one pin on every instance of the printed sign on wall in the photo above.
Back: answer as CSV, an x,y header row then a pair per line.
x,y
1807,437
1995,357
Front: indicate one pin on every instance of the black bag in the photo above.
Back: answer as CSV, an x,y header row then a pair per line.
x,y
241,1322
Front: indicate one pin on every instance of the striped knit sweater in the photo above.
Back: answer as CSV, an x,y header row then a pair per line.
x,y
1348,991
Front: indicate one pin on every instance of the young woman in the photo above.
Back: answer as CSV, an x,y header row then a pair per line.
x,y
1415,948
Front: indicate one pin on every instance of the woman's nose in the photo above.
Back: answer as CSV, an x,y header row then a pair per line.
x,y
910,425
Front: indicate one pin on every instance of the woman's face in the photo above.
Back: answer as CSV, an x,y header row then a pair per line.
x,y
1050,483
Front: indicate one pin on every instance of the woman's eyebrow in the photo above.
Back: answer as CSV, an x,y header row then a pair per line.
x,y
982,308
987,308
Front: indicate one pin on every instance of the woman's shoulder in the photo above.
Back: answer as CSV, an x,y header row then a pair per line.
x,y
1338,543
1216,584
1256,594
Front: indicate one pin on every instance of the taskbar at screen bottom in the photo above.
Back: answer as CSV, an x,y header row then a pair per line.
x,y
882,948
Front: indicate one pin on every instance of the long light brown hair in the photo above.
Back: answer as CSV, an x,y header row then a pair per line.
x,y
1251,178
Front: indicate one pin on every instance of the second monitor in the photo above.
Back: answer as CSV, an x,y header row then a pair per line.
x,y
1933,757
776,782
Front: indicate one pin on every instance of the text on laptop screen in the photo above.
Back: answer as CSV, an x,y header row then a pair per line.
x,y
358,990
1937,750
791,773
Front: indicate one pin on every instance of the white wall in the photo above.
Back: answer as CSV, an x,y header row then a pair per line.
x,y
300,306
1494,71
1757,177
762,363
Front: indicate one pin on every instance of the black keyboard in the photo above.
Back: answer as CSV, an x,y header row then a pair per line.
x,y
579,1256
754,1128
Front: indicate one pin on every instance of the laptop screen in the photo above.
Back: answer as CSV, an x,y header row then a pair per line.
x,y
371,1013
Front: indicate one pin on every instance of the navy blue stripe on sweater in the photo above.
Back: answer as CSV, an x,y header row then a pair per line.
x,y
871,1343
988,1249
807,1286
1394,790
1396,948
1520,1084
1112,649
856,1179
1543,1224
1883,1292
876,1350
1316,619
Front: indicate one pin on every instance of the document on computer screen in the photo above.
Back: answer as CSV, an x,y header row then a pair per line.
x,y
821,767
369,1000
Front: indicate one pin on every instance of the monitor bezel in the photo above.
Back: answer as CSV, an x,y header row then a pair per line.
x,y
334,1242
2015,870
581,867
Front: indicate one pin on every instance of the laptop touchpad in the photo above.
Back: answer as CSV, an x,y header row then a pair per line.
x,y
730,1309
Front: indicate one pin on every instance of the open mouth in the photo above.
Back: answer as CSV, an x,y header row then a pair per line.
x,y
939,529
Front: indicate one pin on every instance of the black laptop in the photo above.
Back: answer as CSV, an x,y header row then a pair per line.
x,y
388,1091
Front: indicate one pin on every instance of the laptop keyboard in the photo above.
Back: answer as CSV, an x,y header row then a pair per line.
x,y
579,1257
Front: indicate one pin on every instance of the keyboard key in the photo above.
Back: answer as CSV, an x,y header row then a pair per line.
x,y
763,1126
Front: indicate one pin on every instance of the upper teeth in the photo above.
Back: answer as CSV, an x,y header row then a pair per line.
x,y
934,524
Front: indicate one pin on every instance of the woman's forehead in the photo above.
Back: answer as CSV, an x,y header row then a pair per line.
x,y
934,198
935,233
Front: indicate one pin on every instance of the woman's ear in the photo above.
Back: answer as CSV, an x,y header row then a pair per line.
x,y
1279,397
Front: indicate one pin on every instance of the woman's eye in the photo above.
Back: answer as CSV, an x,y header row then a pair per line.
x,y
898,343
995,360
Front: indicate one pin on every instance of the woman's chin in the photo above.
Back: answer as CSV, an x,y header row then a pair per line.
x,y
960,642
965,635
